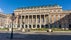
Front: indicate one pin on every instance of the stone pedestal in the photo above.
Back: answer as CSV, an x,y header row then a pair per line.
x,y
23,30
62,28
66,28
10,29
49,30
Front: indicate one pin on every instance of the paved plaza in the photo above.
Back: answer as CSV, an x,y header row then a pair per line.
x,y
36,36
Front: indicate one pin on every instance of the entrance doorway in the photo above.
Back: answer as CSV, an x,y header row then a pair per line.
x,y
70,26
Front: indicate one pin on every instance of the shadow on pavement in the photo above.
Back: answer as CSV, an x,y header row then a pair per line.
x,y
18,36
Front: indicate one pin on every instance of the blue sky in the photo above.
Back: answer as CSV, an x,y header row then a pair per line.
x,y
8,6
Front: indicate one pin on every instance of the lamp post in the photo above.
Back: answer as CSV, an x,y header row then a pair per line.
x,y
12,18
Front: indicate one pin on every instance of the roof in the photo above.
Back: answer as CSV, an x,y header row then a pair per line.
x,y
37,6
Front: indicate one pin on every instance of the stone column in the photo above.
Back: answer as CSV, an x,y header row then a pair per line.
x,y
40,21
50,30
49,21
36,21
66,24
21,22
54,21
24,21
62,26
17,21
23,29
44,19
58,19
28,21
32,21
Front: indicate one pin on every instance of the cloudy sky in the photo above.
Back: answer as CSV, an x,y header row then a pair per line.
x,y
9,5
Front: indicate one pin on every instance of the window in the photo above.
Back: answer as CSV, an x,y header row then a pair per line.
x,y
42,26
29,26
46,26
58,10
22,26
39,20
26,26
43,19
38,26
34,26
38,17
59,25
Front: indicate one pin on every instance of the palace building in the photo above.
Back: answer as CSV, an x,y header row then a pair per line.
x,y
39,17
42,17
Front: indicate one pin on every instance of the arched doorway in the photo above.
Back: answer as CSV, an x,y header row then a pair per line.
x,y
46,26
38,26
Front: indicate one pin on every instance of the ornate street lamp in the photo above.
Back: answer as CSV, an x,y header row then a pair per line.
x,y
12,18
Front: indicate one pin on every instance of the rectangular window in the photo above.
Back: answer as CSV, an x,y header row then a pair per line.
x,y
39,20
43,20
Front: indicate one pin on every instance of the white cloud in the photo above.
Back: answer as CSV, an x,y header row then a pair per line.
x,y
1,10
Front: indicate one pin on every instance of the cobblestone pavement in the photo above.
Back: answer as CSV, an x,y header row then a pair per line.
x,y
36,36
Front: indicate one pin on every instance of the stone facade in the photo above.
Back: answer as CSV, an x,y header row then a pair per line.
x,y
42,17
2,20
5,20
8,21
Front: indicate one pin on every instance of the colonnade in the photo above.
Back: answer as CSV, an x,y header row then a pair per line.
x,y
39,21
33,21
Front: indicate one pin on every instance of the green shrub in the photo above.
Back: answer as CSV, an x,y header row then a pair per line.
x,y
3,28
39,29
